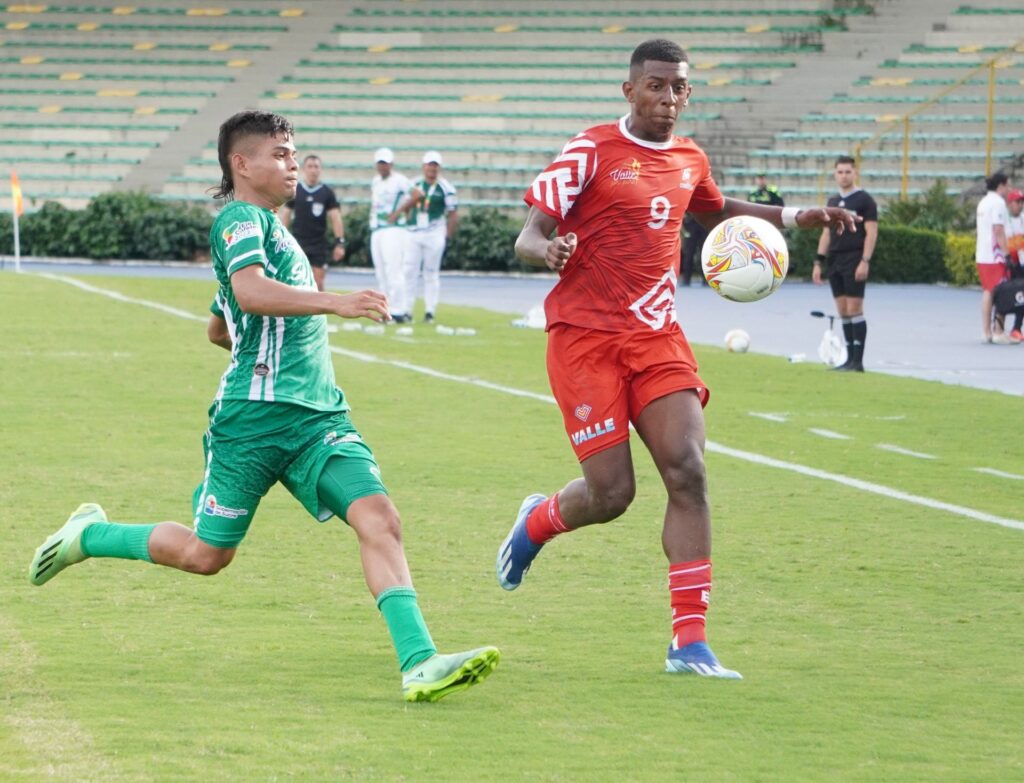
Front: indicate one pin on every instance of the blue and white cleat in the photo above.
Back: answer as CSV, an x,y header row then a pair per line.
x,y
697,658
517,551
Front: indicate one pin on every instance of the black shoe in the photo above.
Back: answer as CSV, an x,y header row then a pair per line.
x,y
402,318
428,318
844,367
858,367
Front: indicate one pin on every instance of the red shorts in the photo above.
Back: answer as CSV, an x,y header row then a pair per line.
x,y
991,275
603,380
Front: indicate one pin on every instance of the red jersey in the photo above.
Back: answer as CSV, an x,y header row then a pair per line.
x,y
624,198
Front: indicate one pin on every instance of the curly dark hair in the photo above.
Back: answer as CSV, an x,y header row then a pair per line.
x,y
240,126
658,49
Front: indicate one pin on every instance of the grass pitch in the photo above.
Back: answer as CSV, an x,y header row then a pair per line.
x,y
880,639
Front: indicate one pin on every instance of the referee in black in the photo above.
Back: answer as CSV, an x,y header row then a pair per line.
x,y
306,217
849,260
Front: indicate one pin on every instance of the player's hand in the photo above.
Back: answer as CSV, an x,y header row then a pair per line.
x,y
339,253
560,249
816,274
364,304
860,274
833,217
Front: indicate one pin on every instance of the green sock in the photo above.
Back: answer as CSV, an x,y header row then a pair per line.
x,y
405,624
129,542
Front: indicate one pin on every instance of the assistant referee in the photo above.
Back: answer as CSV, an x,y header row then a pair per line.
x,y
306,217
849,260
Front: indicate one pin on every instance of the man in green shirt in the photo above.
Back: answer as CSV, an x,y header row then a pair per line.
x,y
277,416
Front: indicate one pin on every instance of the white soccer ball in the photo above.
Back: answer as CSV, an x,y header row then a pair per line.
x,y
737,341
745,258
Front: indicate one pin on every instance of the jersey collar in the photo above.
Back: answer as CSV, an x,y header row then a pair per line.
x,y
308,189
651,145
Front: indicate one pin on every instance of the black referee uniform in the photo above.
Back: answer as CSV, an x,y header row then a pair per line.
x,y
845,252
309,211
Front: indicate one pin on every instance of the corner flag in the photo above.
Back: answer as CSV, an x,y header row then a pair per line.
x,y
18,209
19,206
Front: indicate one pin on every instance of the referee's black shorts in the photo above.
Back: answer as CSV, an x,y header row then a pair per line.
x,y
841,267
318,254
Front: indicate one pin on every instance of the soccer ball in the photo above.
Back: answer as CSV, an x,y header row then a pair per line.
x,y
745,258
737,341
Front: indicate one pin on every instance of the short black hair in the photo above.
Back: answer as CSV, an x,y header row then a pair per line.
x,y
311,157
240,126
996,180
659,49
846,159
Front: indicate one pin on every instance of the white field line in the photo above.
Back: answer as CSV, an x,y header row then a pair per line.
x,y
905,452
769,416
1000,473
828,433
715,448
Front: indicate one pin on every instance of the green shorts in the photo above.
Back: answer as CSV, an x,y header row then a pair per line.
x,y
251,445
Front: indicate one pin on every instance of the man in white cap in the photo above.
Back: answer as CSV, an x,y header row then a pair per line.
x,y
387,233
432,221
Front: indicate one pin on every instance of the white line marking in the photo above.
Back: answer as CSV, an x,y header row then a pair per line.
x,y
715,448
903,451
828,434
999,473
769,416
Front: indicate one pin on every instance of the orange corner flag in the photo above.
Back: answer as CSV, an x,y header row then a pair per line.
x,y
19,206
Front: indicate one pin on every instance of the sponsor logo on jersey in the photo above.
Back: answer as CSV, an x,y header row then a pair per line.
x,y
318,209
212,509
261,369
593,431
238,231
626,175
686,179
282,240
582,411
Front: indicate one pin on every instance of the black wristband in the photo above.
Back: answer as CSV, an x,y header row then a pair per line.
x,y
820,258
340,241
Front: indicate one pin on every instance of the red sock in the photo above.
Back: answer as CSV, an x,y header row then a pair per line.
x,y
690,587
545,521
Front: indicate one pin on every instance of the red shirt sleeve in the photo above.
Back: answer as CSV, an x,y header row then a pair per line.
x,y
556,189
706,195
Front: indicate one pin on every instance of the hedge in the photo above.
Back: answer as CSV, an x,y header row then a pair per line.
x,y
902,255
126,225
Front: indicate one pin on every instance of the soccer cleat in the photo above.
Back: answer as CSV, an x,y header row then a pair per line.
x,y
1001,339
64,547
517,551
441,675
697,658
428,318
1016,336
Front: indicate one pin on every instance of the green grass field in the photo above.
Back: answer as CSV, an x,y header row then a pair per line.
x,y
880,639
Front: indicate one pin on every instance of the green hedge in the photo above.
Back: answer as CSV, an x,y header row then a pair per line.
x,y
902,255
118,225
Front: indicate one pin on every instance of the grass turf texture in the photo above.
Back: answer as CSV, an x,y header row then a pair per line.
x,y
879,640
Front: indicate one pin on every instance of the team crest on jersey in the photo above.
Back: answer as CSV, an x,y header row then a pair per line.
x,y
627,175
238,231
261,370
686,179
318,209
582,412
282,240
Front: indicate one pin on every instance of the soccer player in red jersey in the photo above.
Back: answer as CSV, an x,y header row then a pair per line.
x,y
614,199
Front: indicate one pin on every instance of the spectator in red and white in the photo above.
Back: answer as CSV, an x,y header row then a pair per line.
x,y
991,251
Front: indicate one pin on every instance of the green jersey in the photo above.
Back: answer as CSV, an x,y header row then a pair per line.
x,y
273,358
438,200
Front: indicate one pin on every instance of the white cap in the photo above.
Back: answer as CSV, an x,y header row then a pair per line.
x,y
433,157
383,155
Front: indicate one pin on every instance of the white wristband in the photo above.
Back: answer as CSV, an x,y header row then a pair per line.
x,y
789,216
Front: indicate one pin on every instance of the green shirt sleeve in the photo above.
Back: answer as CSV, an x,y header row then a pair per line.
x,y
240,243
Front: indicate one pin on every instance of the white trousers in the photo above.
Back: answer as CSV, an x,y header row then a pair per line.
x,y
423,256
387,248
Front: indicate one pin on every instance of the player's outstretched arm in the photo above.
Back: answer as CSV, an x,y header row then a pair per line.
x,y
535,245
814,217
259,295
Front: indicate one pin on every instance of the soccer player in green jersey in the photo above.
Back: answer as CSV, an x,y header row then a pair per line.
x,y
278,416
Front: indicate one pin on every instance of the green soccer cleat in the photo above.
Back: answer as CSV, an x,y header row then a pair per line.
x,y
440,675
64,547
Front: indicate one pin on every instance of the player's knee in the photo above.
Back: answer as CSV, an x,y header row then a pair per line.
x,y
611,502
686,476
208,560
